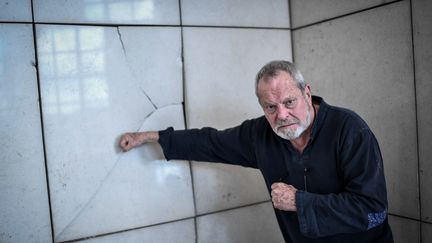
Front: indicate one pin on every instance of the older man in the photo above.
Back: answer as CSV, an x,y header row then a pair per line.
x,y
322,164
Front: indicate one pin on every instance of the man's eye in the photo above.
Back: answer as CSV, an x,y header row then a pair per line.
x,y
270,108
290,103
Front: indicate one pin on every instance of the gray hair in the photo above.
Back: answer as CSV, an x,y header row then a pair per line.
x,y
273,68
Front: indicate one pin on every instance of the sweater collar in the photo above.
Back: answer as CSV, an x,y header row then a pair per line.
x,y
319,116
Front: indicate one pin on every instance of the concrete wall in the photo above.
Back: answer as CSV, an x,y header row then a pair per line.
x,y
101,68
374,57
76,74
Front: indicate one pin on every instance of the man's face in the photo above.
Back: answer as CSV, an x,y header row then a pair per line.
x,y
286,107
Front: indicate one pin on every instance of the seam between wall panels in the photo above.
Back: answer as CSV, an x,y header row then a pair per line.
x,y
417,121
185,122
181,26
186,118
33,23
291,31
166,222
148,25
343,15
36,66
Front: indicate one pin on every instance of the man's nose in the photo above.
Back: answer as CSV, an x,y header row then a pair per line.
x,y
282,113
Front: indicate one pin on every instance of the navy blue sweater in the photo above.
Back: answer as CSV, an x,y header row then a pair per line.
x,y
341,193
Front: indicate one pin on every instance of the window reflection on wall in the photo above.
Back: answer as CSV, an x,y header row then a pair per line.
x,y
119,10
73,62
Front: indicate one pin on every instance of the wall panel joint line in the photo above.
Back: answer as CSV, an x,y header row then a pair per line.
x,y
416,120
36,65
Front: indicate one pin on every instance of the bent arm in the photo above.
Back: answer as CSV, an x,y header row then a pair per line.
x,y
361,206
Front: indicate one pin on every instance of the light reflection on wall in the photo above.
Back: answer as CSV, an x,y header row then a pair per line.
x,y
3,100
167,172
119,10
2,56
74,62
163,171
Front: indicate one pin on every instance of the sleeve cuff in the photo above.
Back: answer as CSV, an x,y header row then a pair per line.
x,y
307,219
164,141
301,211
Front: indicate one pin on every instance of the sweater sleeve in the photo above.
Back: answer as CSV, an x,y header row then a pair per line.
x,y
361,206
231,146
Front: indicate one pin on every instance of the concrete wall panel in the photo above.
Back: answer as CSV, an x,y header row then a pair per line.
x,y
220,67
405,230
313,11
108,12
180,232
426,232
364,62
24,210
17,10
253,224
257,13
94,88
422,23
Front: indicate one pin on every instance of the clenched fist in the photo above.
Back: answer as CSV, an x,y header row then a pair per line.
x,y
284,196
134,139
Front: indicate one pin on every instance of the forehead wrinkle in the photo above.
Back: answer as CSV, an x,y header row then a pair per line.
x,y
279,90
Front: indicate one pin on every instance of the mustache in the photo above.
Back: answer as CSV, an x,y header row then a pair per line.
x,y
284,122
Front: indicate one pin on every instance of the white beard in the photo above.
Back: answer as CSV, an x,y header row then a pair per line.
x,y
291,134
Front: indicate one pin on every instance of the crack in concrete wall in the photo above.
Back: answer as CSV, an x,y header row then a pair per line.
x,y
102,182
148,97
121,40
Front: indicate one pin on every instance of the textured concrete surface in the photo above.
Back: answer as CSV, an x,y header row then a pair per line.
x,y
180,232
17,10
313,11
108,12
24,210
256,13
405,230
364,62
220,67
96,84
243,225
426,232
422,22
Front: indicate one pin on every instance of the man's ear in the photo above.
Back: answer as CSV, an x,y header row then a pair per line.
x,y
307,91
